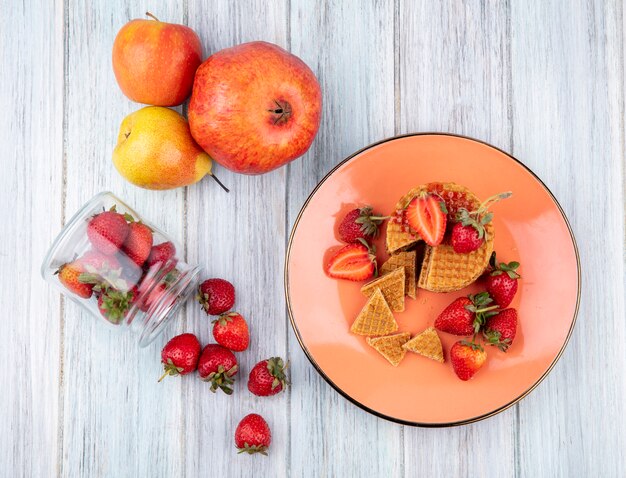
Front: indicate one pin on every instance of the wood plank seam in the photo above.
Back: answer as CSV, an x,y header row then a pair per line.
x,y
510,119
397,93
62,311
287,321
184,312
396,69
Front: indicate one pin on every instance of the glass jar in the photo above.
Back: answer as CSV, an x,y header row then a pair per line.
x,y
137,286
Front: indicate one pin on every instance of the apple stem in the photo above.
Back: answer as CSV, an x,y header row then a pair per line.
x,y
148,14
219,182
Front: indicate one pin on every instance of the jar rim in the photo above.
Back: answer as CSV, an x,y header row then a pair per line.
x,y
162,312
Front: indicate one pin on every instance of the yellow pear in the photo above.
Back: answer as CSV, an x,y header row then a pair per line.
x,y
155,150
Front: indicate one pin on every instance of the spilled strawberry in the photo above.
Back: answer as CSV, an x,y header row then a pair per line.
x,y
354,262
501,282
268,377
467,358
500,329
427,215
466,315
359,223
180,355
253,435
231,331
218,365
216,296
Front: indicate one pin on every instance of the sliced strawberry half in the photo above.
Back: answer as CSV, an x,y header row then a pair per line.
x,y
427,215
355,262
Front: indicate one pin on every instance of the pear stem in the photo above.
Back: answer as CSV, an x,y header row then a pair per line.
x,y
219,182
148,14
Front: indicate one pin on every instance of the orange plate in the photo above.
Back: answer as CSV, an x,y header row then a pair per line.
x,y
530,228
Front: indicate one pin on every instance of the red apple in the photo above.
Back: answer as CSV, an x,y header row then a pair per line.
x,y
254,107
155,62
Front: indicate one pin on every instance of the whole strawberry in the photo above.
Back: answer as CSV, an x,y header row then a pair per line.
x,y
218,365
161,253
131,272
114,305
501,283
180,355
103,272
253,435
468,234
467,358
152,297
268,377
466,239
101,263
153,291
71,275
138,243
501,328
466,315
231,331
360,223
216,296
107,231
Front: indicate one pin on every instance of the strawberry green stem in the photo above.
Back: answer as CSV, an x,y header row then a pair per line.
x,y
487,309
491,200
163,376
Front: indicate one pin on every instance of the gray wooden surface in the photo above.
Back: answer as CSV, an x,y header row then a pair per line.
x,y
541,79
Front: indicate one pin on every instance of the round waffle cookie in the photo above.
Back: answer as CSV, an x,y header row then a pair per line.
x,y
443,270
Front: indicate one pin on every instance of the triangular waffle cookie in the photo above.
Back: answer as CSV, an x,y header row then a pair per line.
x,y
375,318
390,346
406,260
392,287
427,344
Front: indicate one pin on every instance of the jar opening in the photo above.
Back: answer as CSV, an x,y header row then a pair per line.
x,y
160,313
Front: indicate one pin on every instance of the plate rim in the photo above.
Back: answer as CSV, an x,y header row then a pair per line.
x,y
365,407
